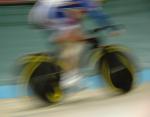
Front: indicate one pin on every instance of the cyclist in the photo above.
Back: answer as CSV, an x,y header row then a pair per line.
x,y
64,16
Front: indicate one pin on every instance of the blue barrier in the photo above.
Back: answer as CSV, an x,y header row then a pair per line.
x,y
12,91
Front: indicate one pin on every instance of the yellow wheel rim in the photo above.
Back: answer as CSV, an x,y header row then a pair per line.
x,y
56,96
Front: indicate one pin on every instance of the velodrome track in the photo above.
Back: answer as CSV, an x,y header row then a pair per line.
x,y
89,103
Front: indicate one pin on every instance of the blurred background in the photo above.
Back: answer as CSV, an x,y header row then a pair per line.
x,y
17,38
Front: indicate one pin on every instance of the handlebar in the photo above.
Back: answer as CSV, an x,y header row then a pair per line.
x,y
114,27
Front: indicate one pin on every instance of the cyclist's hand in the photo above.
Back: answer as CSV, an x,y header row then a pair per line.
x,y
117,30
114,33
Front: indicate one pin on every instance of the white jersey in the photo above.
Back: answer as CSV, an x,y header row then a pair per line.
x,y
52,2
44,13
53,14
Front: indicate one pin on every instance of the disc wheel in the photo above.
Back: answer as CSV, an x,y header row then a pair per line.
x,y
44,82
118,71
